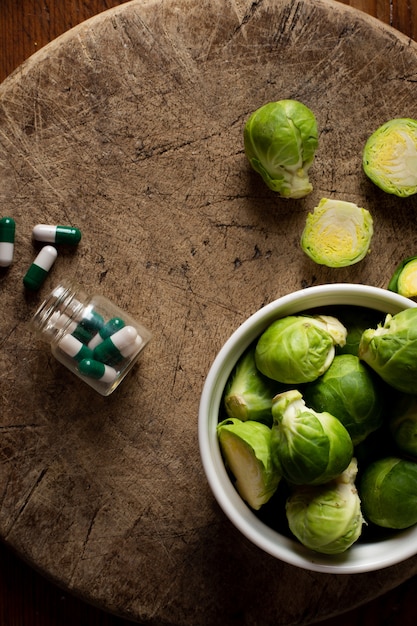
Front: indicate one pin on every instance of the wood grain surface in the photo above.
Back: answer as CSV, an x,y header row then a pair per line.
x,y
106,497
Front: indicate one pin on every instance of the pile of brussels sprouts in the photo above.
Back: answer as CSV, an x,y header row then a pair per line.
x,y
318,425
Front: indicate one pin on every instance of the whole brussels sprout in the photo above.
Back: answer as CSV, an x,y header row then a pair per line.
x,y
403,424
310,448
337,233
246,449
376,445
298,348
248,393
390,157
352,393
327,518
391,350
280,140
388,490
356,320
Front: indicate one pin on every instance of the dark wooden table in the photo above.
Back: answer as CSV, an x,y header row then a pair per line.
x,y
26,598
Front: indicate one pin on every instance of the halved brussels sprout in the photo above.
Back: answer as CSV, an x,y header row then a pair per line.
x,y
298,348
327,518
388,490
280,140
390,157
246,449
248,393
310,448
337,233
391,350
404,279
350,391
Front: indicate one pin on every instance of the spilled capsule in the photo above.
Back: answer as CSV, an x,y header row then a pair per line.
x,y
7,232
57,234
40,267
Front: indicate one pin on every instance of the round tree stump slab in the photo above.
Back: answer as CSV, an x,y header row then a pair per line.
x,y
130,127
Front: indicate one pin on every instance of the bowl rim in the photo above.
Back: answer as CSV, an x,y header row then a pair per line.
x,y
360,558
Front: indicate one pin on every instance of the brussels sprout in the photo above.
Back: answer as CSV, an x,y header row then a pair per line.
x,y
403,424
337,233
248,393
388,490
327,518
356,320
377,444
390,157
351,392
404,279
246,449
280,140
298,348
391,350
310,448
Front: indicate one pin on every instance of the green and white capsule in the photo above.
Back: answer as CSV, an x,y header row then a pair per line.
x,y
97,370
117,347
111,327
74,348
40,267
61,320
91,320
7,232
71,327
89,323
136,345
82,333
68,235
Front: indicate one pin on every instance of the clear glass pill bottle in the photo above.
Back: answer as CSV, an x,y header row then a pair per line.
x,y
90,335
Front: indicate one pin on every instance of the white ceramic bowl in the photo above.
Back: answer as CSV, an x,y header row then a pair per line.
x,y
361,557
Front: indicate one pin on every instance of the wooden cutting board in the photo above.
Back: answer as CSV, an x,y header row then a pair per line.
x,y
130,127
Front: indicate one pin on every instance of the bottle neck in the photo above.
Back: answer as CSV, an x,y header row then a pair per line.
x,y
64,306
